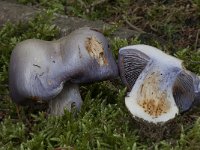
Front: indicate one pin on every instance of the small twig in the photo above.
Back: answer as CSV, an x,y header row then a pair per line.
x,y
3,85
95,3
4,94
195,62
196,41
82,3
133,26
18,112
152,28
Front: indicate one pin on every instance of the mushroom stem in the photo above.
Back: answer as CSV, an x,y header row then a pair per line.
x,y
197,92
69,97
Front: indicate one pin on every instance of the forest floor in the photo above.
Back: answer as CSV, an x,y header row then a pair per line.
x,y
103,122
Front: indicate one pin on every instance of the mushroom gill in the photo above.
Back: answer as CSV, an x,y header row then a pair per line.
x,y
159,86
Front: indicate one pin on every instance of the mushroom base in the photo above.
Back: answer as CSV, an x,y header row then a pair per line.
x,y
159,131
140,112
69,97
166,130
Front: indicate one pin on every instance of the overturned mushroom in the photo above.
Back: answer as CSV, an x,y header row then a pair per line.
x,y
160,87
51,71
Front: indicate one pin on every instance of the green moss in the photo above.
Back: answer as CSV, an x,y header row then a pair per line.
x,y
191,59
103,122
117,43
97,119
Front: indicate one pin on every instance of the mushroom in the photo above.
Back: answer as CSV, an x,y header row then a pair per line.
x,y
159,85
51,71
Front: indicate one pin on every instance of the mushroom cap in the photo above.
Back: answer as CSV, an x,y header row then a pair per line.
x,y
90,55
38,69
159,85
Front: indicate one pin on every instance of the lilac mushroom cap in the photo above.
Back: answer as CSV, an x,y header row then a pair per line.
x,y
51,70
159,86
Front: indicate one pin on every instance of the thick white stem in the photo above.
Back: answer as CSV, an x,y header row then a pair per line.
x,y
68,98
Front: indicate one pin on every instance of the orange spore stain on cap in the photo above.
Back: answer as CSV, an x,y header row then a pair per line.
x,y
151,98
95,50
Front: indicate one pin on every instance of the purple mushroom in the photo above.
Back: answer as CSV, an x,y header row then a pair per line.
x,y
51,70
159,86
